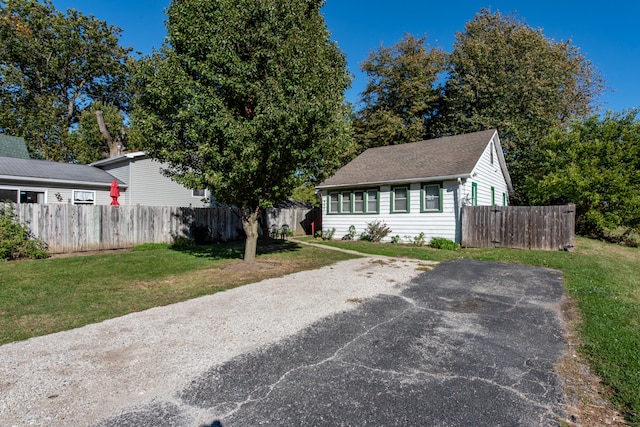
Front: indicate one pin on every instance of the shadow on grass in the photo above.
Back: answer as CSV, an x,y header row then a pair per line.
x,y
235,250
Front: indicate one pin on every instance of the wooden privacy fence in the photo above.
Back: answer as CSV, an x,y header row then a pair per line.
x,y
522,227
76,228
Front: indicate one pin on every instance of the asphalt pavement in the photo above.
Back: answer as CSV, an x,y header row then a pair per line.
x,y
470,343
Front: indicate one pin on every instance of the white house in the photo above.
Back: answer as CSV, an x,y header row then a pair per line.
x,y
418,187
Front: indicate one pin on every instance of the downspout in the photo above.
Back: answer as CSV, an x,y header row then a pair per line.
x,y
459,211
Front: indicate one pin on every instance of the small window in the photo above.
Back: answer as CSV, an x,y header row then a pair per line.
x,y
346,202
8,195
333,203
504,199
493,196
358,202
400,200
82,197
432,199
474,194
372,201
32,197
197,193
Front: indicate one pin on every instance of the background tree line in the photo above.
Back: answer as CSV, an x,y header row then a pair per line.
x,y
75,94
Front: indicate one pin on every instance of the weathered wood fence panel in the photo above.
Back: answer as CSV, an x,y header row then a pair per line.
x,y
298,219
521,227
78,228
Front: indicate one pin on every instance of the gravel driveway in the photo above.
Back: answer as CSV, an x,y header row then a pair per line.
x,y
83,376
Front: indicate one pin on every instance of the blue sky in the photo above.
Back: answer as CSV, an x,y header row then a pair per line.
x,y
607,33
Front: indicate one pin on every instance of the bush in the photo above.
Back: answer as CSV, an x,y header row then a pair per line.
x,y
395,239
352,233
16,241
442,243
375,231
419,240
325,234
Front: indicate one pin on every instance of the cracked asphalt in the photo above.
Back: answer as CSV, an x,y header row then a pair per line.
x,y
468,343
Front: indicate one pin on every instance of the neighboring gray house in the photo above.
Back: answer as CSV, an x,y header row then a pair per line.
x,y
140,180
417,187
147,186
41,181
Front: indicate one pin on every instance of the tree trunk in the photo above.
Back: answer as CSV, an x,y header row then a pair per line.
x,y
250,227
114,144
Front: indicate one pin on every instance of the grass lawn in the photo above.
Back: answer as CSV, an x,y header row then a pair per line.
x,y
44,296
604,281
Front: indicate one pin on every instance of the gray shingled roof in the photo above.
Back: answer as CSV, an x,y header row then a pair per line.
x,y
29,170
13,146
449,156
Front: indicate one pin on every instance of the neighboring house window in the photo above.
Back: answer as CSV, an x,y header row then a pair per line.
x,y
31,197
474,194
333,202
372,201
346,202
504,199
10,195
358,201
493,196
432,198
197,193
83,197
400,199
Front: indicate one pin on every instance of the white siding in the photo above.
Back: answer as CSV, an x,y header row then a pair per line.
x,y
487,174
406,225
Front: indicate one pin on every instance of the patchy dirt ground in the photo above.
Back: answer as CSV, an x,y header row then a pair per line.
x,y
587,403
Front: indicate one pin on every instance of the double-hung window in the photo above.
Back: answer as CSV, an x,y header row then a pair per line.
x,y
358,202
432,198
82,197
372,201
400,200
474,194
346,202
334,203
353,202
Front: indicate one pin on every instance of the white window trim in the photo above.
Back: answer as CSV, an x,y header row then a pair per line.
x,y
73,197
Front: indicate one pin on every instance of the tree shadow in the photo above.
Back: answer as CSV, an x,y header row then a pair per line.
x,y
235,249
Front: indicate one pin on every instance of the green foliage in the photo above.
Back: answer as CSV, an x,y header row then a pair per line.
x,y
401,93
395,239
306,193
419,240
351,234
504,74
375,231
325,234
245,99
16,241
501,74
595,165
443,243
53,65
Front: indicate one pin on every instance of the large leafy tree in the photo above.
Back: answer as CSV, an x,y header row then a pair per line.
x,y
246,100
401,93
53,66
596,165
504,74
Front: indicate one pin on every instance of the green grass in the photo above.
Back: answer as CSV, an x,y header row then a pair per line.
x,y
44,296
603,279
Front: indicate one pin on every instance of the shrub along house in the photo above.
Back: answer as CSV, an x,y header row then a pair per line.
x,y
418,187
